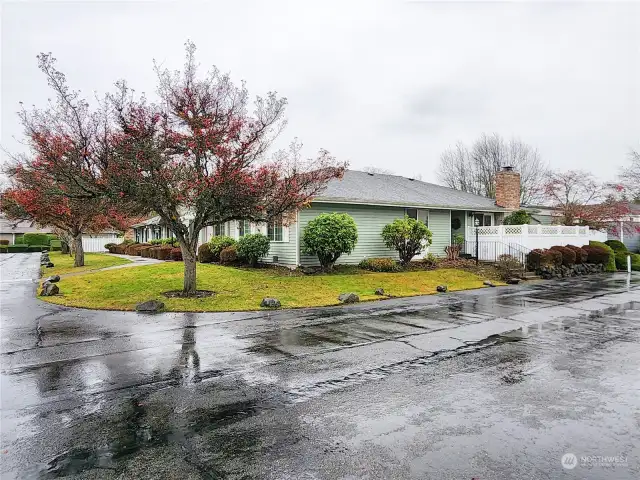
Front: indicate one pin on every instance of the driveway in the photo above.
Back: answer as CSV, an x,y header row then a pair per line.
x,y
494,383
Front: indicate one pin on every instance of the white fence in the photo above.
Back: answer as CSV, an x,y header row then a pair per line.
x,y
95,243
532,236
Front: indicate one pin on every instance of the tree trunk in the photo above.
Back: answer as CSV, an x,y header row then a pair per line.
x,y
189,257
78,260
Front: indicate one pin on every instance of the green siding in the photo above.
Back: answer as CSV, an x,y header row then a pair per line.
x,y
370,221
440,226
285,251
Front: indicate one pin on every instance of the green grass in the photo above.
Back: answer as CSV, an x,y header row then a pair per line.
x,y
243,289
92,261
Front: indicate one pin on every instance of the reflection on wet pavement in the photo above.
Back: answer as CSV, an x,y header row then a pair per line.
x,y
256,394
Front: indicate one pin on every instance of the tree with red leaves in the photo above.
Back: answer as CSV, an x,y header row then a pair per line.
x,y
55,183
199,157
581,200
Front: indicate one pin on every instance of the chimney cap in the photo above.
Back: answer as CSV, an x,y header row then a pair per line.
x,y
507,168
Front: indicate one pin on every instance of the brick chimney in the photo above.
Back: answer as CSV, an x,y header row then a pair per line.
x,y
508,189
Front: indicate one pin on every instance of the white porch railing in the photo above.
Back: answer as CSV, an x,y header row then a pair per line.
x,y
536,236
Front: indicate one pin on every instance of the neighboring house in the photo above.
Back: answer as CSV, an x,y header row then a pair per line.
x,y
542,214
9,229
373,200
628,230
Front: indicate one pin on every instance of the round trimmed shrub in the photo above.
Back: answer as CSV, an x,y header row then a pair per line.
x,y
36,238
4,242
617,245
610,264
164,252
176,254
597,255
408,237
145,251
581,254
568,255
217,244
204,253
228,255
328,236
252,248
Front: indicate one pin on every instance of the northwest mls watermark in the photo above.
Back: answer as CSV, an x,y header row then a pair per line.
x,y
571,461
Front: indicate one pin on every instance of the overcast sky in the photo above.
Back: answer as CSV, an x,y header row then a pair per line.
x,y
386,84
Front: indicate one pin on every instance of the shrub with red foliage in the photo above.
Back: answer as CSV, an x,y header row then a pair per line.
x,y
164,252
176,254
228,255
144,251
581,254
568,255
596,255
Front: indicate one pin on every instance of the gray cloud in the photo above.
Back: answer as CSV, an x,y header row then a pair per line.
x,y
390,84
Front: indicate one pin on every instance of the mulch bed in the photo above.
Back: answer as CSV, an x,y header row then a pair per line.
x,y
180,294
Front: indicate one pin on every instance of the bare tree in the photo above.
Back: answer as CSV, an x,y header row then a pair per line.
x,y
630,176
473,169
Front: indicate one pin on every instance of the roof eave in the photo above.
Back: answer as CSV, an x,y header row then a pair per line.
x,y
408,205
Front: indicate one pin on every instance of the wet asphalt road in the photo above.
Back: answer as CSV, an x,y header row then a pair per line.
x,y
491,384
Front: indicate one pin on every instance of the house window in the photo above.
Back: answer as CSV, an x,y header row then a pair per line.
x,y
218,229
275,231
411,213
483,220
243,228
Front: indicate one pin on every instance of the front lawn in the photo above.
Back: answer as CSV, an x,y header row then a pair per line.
x,y
243,289
92,261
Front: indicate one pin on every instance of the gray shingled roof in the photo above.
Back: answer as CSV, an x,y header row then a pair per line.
x,y
8,226
363,187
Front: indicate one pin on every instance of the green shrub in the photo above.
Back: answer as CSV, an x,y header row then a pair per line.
x,y
109,246
617,245
380,265
4,248
217,244
568,255
56,245
635,262
19,240
407,236
508,267
204,253
328,236
581,255
228,255
50,237
36,238
252,248
17,248
4,242
519,217
38,248
430,261
621,261
610,265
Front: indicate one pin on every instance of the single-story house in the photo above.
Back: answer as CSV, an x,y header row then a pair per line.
x,y
373,200
10,229
628,229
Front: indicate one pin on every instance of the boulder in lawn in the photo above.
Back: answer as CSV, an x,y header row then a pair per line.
x,y
379,291
513,281
50,265
53,279
49,289
488,283
442,288
150,306
270,303
349,298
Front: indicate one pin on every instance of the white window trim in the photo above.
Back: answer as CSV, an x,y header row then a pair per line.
x,y
285,234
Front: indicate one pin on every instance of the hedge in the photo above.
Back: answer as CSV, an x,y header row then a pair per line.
x,y
17,248
621,261
581,255
176,254
37,248
3,248
19,240
610,265
36,238
4,242
56,245
616,245
568,255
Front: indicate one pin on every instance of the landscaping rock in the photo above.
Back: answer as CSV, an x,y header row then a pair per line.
x,y
49,289
53,279
349,298
442,288
488,283
513,281
309,270
379,291
150,306
270,303
50,265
